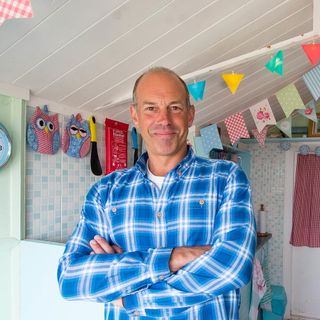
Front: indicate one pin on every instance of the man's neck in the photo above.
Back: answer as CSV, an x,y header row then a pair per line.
x,y
161,165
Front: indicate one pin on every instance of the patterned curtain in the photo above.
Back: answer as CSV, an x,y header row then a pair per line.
x,y
306,202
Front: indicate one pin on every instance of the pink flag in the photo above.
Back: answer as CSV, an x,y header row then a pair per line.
x,y
236,127
10,9
260,136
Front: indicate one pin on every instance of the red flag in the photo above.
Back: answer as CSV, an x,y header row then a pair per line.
x,y
11,9
260,136
312,51
236,127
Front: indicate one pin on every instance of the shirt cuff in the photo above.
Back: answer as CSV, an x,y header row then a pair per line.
x,y
159,264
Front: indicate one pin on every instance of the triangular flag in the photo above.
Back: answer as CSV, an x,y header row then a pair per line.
x,y
309,111
14,9
260,136
210,138
262,114
196,89
275,64
312,51
199,147
191,135
232,80
285,125
236,127
289,99
312,81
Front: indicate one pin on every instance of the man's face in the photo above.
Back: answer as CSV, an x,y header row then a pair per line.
x,y
162,114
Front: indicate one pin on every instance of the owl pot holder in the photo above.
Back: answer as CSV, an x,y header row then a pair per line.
x,y
76,137
43,131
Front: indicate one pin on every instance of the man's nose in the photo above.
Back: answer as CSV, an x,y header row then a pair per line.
x,y
163,116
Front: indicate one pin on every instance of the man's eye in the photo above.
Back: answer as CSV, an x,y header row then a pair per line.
x,y
176,108
149,108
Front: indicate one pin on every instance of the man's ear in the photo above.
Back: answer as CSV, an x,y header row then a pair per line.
x,y
134,116
191,115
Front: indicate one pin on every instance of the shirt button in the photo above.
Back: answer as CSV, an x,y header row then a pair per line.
x,y
201,201
179,173
136,313
114,209
161,277
159,214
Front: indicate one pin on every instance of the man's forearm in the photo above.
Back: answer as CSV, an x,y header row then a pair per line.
x,y
181,256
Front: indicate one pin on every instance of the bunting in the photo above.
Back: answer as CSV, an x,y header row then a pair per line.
x,y
285,126
196,89
210,138
312,81
275,64
199,147
312,51
233,80
289,99
262,114
309,111
260,136
191,135
14,9
236,127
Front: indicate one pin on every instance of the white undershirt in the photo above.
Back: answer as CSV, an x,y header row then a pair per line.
x,y
158,180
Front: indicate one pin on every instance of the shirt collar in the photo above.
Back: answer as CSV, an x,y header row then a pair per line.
x,y
141,163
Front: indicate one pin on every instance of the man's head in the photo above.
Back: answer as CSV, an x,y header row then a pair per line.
x,y
159,70
162,111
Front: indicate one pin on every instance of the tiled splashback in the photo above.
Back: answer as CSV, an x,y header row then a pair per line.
x,y
267,181
56,186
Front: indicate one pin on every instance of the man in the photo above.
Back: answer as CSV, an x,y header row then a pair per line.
x,y
172,237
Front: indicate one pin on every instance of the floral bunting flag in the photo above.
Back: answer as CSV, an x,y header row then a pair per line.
x,y
289,99
14,9
275,64
309,111
210,138
312,81
285,126
233,80
312,51
236,127
262,114
196,89
260,136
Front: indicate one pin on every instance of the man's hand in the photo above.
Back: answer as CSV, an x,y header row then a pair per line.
x,y
99,246
180,256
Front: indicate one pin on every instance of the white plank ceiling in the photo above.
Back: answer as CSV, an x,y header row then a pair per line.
x,y
87,54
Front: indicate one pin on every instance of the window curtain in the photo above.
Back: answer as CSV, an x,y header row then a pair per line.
x,y
306,202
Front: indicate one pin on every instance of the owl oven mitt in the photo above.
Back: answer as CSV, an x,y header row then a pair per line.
x,y
76,137
43,131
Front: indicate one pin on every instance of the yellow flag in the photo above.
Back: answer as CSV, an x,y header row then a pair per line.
x,y
232,80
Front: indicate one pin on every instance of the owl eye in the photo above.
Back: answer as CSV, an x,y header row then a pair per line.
x,y
50,126
73,129
83,133
40,123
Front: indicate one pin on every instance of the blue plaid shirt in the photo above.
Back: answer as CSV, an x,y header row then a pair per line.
x,y
201,202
